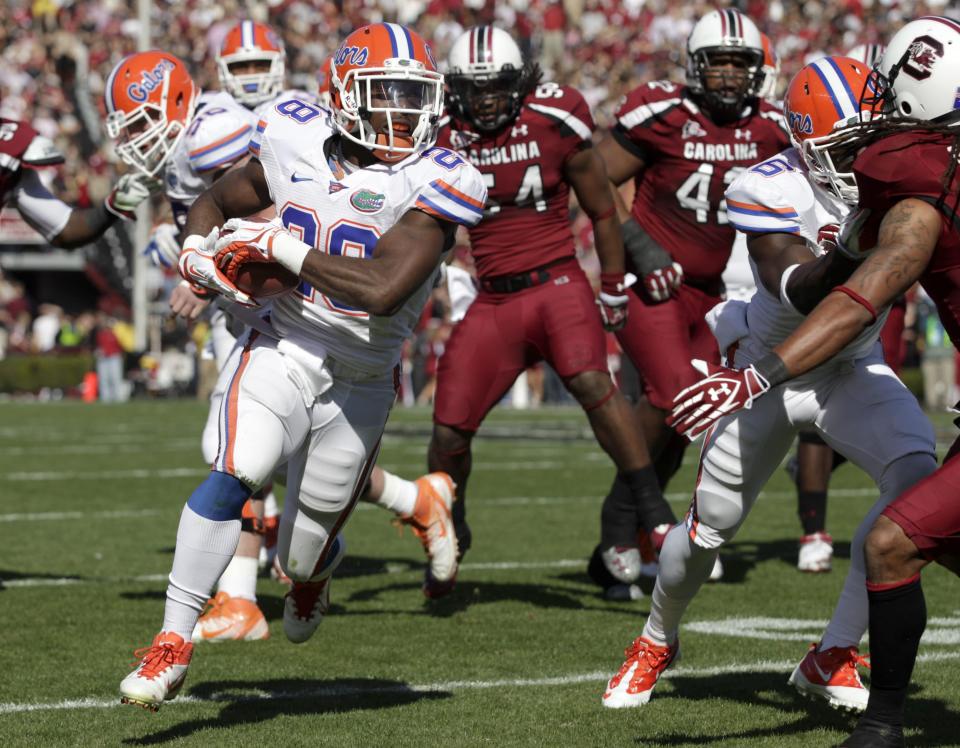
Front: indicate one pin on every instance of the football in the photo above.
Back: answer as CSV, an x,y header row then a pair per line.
x,y
263,280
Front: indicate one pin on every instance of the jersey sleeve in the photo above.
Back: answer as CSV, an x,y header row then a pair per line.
x,y
642,117
901,166
756,204
455,194
44,212
569,111
218,141
279,135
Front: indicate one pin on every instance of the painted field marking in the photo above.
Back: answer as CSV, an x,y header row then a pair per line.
x,y
598,677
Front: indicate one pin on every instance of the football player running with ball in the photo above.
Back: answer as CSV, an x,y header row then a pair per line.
x,y
531,142
906,229
367,206
855,401
682,146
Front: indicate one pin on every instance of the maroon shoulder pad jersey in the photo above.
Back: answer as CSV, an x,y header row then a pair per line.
x,y
689,162
914,164
526,223
15,139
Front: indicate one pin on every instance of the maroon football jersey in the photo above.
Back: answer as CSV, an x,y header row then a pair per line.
x,y
526,222
913,164
689,162
15,138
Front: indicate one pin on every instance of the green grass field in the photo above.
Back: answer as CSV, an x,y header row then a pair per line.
x,y
518,655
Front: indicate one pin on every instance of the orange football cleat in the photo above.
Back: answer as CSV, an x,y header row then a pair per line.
x,y
231,619
160,673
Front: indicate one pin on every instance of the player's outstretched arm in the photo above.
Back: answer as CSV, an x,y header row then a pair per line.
x,y
238,193
402,261
906,241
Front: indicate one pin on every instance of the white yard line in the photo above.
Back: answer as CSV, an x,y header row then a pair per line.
x,y
598,677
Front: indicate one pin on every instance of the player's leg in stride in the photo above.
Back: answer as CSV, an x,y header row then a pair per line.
x,y
425,505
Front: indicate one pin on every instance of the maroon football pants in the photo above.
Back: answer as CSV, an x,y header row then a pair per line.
x,y
661,339
505,333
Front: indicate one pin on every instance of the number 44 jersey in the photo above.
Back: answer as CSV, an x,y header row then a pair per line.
x,y
345,213
527,219
690,161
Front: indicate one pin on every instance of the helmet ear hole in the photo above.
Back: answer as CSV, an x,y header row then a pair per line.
x,y
906,108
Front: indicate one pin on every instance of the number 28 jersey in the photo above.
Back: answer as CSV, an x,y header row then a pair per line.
x,y
345,213
527,219
690,161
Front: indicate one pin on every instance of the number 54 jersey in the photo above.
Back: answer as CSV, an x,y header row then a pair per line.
x,y
346,213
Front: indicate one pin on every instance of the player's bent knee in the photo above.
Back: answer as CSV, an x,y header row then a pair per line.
x,y
591,388
717,519
887,549
220,497
448,441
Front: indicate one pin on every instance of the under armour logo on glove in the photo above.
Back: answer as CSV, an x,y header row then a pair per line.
x,y
715,392
721,392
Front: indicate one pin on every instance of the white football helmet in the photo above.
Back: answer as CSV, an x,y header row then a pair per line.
x,y
487,78
868,54
919,71
725,32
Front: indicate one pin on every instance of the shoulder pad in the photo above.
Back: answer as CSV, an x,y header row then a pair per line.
x,y
41,152
566,106
218,139
650,101
907,164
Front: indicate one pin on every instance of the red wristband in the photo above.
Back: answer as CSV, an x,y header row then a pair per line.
x,y
611,283
606,214
860,300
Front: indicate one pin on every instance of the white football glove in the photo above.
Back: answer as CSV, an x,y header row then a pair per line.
x,y
242,240
198,267
163,248
131,190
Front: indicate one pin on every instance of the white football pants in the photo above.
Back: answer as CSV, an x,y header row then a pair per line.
x,y
273,412
861,409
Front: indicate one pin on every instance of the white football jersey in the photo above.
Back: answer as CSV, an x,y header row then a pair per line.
x,y
217,137
777,195
345,214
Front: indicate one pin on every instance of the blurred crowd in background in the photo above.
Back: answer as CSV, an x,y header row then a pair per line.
x,y
57,54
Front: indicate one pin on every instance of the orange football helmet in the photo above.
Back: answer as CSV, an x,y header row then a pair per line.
x,y
824,114
770,70
249,43
150,98
386,92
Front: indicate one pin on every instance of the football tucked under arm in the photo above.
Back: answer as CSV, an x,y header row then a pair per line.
x,y
259,257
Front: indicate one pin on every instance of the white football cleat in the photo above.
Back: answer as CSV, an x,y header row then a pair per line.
x,y
634,682
160,674
832,675
816,553
304,607
623,562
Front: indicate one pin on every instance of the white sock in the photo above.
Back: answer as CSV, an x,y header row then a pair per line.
x,y
270,508
204,549
684,567
239,579
399,495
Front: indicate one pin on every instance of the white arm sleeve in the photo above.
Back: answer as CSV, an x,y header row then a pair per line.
x,y
44,212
